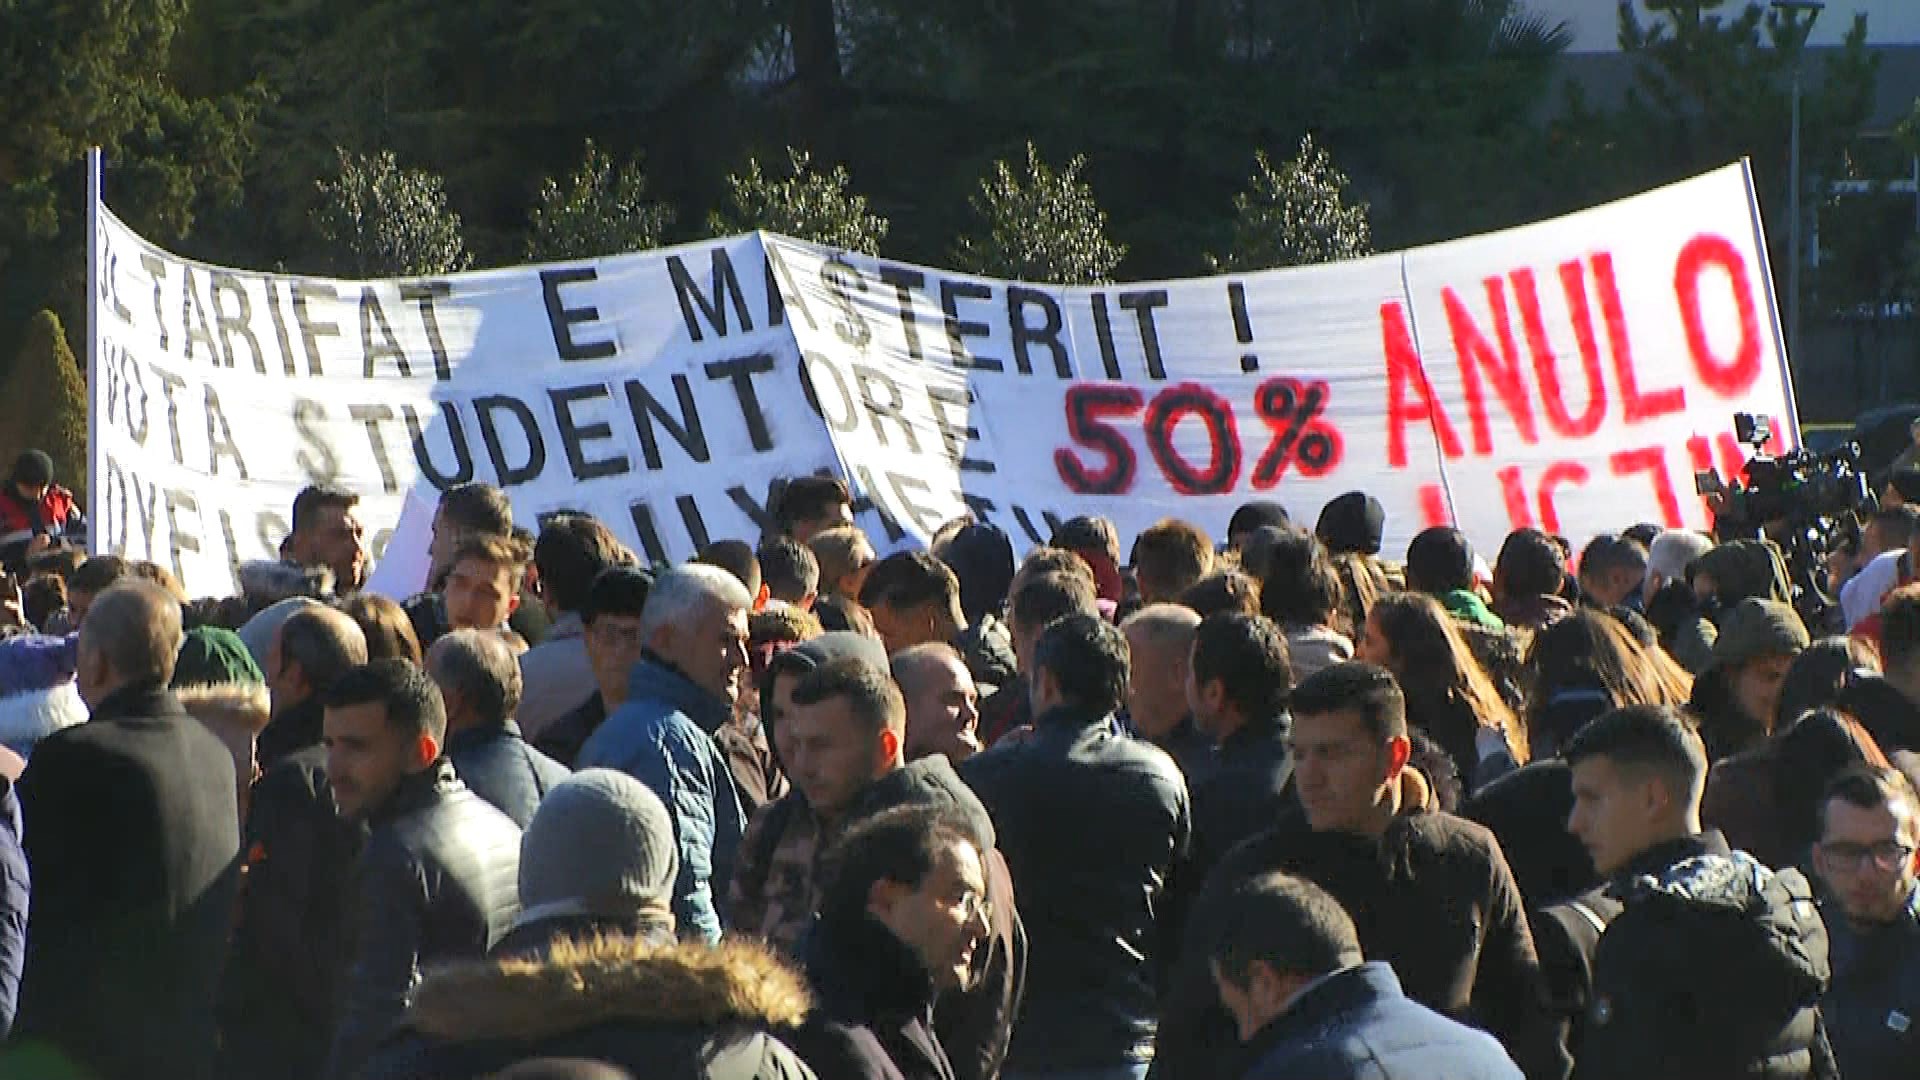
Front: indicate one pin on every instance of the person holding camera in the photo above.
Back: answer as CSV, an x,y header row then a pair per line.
x,y
35,512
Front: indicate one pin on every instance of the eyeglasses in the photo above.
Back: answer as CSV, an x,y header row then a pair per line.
x,y
1886,856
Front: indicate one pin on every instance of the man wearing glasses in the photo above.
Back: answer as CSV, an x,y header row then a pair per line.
x,y
1866,861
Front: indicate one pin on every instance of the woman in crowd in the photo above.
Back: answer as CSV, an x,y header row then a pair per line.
x,y
1447,693
1301,592
1586,664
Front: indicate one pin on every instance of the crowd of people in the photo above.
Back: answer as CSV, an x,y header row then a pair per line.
x,y
1279,807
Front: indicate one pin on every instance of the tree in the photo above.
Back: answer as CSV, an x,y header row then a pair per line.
x,y
388,221
46,395
1295,215
1044,226
601,211
806,205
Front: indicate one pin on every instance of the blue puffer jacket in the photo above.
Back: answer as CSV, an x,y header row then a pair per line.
x,y
663,737
1359,1025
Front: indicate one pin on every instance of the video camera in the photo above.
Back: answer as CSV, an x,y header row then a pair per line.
x,y
1810,505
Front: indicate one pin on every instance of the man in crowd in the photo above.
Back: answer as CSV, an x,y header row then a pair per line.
x,y
1249,518
1440,564
35,512
914,599
1168,558
277,1000
572,551
438,880
1868,859
1160,643
465,512
1287,962
943,705
611,621
483,583
1037,602
789,572
980,554
1613,570
807,506
1693,959
903,911
1090,908
327,532
132,838
1528,577
737,557
1237,685
1431,893
694,635
480,687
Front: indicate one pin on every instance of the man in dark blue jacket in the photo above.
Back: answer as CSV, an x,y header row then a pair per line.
x,y
1092,909
480,682
1287,964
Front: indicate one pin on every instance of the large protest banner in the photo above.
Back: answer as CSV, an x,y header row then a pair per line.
x,y
1571,374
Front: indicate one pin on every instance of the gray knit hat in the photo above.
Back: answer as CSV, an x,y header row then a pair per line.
x,y
1755,627
1674,550
601,843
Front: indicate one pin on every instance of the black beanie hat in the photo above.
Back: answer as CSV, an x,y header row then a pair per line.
x,y
981,556
33,468
1354,522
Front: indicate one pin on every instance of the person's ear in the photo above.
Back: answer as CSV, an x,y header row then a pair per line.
x,y
882,897
806,602
760,598
1399,752
1214,694
889,747
426,750
513,603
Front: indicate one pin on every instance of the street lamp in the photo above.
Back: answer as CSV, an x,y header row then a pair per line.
x,y
1791,9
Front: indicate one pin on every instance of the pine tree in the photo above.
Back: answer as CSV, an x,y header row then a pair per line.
x,y
1043,226
46,397
1295,215
807,205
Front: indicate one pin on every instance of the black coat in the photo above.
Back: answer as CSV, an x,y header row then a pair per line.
x,y
1527,811
564,737
1709,966
280,992
14,889
438,881
1871,1008
497,764
975,1023
660,1010
873,1005
1248,791
133,838
1191,749
1432,896
1359,1025
1092,824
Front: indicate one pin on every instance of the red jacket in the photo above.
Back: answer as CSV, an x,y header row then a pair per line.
x,y
21,521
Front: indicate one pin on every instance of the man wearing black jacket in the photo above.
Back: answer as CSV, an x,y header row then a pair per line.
x,y
278,994
1092,901
439,878
479,682
1430,892
1692,960
132,836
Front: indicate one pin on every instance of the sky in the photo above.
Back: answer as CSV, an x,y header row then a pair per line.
x,y
1889,22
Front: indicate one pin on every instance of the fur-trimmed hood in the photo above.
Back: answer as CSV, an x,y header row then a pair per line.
x,y
580,984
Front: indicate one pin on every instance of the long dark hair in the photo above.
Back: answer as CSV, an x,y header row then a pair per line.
x,y
1433,663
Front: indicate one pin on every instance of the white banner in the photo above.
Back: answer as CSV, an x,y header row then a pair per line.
x,y
1571,374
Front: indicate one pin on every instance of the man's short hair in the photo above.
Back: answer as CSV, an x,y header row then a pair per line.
x,y
1287,923
617,590
902,845
1223,592
1367,689
411,700
1531,563
834,550
808,498
571,552
509,551
1165,626
1049,597
1440,560
1087,658
736,557
1087,533
911,663
869,692
99,572
1659,739
325,643
314,498
1172,555
1869,786
788,569
1248,655
1899,523
388,630
477,507
909,580
479,665
1605,554
683,594
135,625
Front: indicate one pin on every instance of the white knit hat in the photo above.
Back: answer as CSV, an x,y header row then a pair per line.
x,y
1674,550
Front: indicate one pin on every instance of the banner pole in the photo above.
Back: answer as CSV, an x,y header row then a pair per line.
x,y
95,474
1773,301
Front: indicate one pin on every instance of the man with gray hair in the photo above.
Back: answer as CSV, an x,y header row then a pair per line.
x,y
695,631
132,835
479,679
